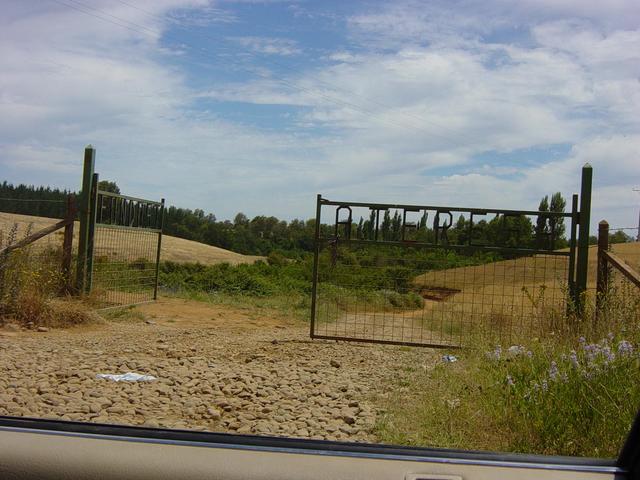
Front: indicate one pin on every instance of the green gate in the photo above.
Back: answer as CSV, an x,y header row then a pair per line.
x,y
119,244
425,275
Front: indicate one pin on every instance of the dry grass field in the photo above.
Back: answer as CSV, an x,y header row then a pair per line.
x,y
173,249
525,271
512,298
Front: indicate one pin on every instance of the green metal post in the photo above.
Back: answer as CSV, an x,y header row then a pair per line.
x,y
573,233
602,274
84,205
93,209
582,264
316,260
160,226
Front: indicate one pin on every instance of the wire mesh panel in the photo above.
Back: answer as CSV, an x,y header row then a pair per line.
x,y
399,278
125,249
620,301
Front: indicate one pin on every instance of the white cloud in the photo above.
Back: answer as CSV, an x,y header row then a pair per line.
x,y
422,91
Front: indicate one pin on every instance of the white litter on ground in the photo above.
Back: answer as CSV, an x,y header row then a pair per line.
x,y
126,377
449,358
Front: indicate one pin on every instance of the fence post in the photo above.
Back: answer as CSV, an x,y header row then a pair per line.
x,y
161,226
583,238
602,282
316,260
67,245
84,214
573,300
93,208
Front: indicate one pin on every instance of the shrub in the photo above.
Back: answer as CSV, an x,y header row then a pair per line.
x,y
30,281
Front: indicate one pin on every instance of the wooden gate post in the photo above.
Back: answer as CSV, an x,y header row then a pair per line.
x,y
84,216
602,282
582,263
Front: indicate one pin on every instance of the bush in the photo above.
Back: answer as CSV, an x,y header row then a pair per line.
x,y
30,281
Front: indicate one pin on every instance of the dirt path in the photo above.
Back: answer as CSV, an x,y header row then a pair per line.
x,y
413,326
218,368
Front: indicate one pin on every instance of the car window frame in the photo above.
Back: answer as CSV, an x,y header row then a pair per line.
x,y
627,464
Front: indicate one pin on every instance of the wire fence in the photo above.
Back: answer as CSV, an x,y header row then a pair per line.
x,y
402,295
124,265
35,273
619,302
125,249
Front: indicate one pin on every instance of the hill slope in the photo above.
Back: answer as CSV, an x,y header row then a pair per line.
x,y
173,248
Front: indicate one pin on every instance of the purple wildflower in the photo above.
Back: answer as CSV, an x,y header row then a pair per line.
x,y
625,348
545,385
608,355
496,354
573,358
510,381
553,371
591,350
582,340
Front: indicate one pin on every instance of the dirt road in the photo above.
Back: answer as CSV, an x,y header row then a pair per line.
x,y
218,368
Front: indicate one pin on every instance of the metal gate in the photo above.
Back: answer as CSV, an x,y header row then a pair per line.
x,y
426,275
119,253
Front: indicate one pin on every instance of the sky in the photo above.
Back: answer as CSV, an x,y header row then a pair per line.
x,y
257,106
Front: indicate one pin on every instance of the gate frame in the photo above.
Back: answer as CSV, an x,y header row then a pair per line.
x,y
578,254
89,220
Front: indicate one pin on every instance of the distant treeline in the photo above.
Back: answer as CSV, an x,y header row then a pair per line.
x,y
263,235
32,200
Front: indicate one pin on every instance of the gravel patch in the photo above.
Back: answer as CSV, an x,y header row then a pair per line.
x,y
269,380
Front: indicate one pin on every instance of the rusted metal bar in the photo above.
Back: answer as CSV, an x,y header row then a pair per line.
x,y
67,244
461,248
385,342
623,268
477,211
602,275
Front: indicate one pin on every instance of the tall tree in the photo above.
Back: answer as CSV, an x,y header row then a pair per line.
x,y
385,227
558,204
108,186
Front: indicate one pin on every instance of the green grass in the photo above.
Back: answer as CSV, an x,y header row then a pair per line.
x,y
556,396
124,314
294,305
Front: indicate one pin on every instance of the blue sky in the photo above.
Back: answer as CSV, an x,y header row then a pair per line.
x,y
256,106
